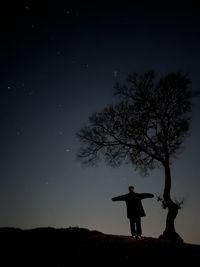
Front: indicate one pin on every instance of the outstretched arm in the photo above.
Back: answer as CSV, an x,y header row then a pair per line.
x,y
119,198
145,195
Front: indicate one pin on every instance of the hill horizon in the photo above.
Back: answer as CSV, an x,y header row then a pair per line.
x,y
49,246
78,228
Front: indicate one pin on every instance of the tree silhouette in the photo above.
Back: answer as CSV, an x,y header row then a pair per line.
x,y
146,127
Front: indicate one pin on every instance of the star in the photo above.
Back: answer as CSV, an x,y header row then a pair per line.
x,y
86,66
31,92
58,53
115,73
27,8
60,107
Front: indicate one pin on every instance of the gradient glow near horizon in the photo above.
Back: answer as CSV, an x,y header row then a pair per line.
x,y
59,65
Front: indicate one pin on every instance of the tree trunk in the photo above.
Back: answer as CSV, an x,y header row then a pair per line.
x,y
169,232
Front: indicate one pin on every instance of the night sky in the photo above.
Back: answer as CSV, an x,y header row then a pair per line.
x,y
59,63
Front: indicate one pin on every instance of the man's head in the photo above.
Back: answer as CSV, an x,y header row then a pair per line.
x,y
131,188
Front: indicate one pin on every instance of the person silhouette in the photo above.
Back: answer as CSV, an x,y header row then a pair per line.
x,y
135,209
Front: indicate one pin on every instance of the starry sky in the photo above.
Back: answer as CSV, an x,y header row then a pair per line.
x,y
59,63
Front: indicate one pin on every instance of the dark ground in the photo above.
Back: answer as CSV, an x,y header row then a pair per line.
x,y
82,247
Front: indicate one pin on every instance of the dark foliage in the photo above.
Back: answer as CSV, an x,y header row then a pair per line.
x,y
146,126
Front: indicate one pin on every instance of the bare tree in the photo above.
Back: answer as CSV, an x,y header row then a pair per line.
x,y
146,127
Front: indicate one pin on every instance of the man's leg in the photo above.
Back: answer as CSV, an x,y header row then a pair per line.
x,y
132,225
138,226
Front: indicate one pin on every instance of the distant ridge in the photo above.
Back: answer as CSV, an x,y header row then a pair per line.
x,y
74,246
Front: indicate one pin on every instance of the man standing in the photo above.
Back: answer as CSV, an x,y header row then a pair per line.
x,y
135,209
